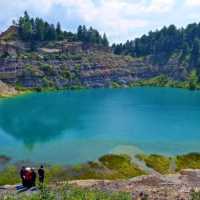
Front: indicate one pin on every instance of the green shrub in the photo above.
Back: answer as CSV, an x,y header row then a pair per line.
x,y
188,161
122,164
159,163
115,85
66,74
9,176
195,195
109,167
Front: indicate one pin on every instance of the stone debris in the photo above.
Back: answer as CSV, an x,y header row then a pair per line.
x,y
150,187
154,187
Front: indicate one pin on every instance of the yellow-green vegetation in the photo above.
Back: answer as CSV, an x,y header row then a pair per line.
x,y
195,195
159,163
160,81
71,193
116,85
9,176
188,161
191,83
122,164
108,167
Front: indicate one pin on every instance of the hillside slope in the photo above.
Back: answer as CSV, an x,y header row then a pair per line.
x,y
45,57
74,65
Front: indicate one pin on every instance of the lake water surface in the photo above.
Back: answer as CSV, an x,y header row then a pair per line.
x,y
77,126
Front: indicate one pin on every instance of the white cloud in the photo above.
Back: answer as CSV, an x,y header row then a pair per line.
x,y
115,17
192,3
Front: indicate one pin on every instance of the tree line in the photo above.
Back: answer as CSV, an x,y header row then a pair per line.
x,y
162,44
37,30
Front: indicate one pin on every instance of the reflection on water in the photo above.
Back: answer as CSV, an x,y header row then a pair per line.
x,y
72,127
34,119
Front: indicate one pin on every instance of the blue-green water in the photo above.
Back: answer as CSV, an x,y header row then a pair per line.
x,y
76,126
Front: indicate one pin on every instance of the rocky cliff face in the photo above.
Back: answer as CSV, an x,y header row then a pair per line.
x,y
67,65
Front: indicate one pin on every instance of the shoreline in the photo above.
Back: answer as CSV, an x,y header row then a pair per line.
x,y
109,166
43,90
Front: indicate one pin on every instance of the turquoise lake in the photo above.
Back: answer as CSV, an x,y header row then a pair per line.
x,y
76,126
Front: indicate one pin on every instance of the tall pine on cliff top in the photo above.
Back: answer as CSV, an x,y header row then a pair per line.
x,y
37,30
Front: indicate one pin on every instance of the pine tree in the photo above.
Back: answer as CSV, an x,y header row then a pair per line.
x,y
59,32
105,40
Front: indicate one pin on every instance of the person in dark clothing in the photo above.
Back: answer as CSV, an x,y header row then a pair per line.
x,y
22,175
33,177
41,174
28,177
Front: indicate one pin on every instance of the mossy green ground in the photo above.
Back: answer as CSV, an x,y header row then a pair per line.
x,y
162,164
159,163
188,161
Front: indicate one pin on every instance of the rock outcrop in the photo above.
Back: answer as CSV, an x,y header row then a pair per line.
x,y
6,91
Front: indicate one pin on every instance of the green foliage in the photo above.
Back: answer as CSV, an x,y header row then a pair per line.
x,y
188,161
193,80
48,69
33,30
37,30
159,163
159,81
109,167
66,74
122,164
163,44
163,81
195,195
9,176
91,36
115,85
47,83
68,192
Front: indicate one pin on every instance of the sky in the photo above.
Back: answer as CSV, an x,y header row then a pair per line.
x,y
121,20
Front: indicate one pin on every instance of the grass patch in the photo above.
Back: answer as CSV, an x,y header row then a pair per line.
x,y
72,193
9,176
109,167
159,163
188,161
